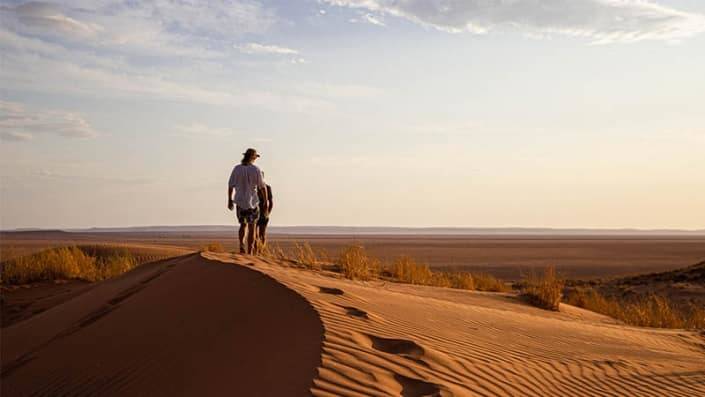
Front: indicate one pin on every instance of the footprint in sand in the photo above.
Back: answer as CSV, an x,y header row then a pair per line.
x,y
410,350
331,291
411,387
401,347
355,312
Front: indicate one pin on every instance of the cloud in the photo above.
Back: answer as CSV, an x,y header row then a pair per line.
x,y
25,72
256,48
20,124
340,90
141,28
119,180
15,136
198,129
48,17
601,21
368,18
137,50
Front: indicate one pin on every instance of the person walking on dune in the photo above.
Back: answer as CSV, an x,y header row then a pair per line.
x,y
263,220
247,182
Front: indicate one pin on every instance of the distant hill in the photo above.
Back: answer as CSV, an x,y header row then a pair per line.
x,y
355,230
692,274
683,286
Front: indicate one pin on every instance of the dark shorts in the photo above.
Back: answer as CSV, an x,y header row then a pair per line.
x,y
250,215
263,220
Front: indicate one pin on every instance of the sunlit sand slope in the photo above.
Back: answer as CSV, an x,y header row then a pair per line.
x,y
185,326
385,339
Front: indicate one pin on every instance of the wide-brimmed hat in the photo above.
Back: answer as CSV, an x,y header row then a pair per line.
x,y
250,153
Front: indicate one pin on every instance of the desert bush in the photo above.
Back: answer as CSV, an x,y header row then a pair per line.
x,y
645,311
271,251
213,247
441,279
355,264
462,281
546,290
90,263
488,282
113,265
301,254
306,256
406,270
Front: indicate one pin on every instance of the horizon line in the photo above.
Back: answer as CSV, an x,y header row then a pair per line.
x,y
375,228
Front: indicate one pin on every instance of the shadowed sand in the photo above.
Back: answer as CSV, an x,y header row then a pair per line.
x,y
387,339
185,326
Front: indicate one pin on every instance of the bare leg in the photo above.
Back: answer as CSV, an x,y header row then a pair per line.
x,y
251,230
241,237
262,232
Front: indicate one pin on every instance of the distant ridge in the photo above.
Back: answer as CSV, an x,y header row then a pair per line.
x,y
374,230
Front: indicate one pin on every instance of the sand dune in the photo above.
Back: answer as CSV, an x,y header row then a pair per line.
x,y
385,339
223,324
186,326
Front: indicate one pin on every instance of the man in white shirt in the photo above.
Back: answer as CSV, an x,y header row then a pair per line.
x,y
247,181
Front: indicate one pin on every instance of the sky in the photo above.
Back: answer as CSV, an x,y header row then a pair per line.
x,y
478,113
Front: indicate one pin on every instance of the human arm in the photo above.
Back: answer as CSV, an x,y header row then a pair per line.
x,y
270,197
230,198
262,192
265,200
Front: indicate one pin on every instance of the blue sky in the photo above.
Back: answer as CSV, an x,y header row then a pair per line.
x,y
581,113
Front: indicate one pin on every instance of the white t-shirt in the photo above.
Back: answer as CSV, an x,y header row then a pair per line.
x,y
246,179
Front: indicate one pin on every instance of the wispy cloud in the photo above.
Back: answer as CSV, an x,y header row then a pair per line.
x,y
40,16
112,180
121,49
368,18
340,90
143,27
20,124
202,130
256,48
601,21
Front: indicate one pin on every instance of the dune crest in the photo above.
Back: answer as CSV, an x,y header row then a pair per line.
x,y
183,326
385,339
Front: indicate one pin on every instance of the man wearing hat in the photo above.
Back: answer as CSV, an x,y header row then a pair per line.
x,y
247,181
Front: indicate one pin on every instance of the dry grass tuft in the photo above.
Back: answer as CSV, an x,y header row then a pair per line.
x,y
306,256
90,263
406,270
272,251
649,311
488,282
301,254
544,291
214,246
356,265
463,281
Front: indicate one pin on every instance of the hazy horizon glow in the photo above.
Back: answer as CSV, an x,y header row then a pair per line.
x,y
548,113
